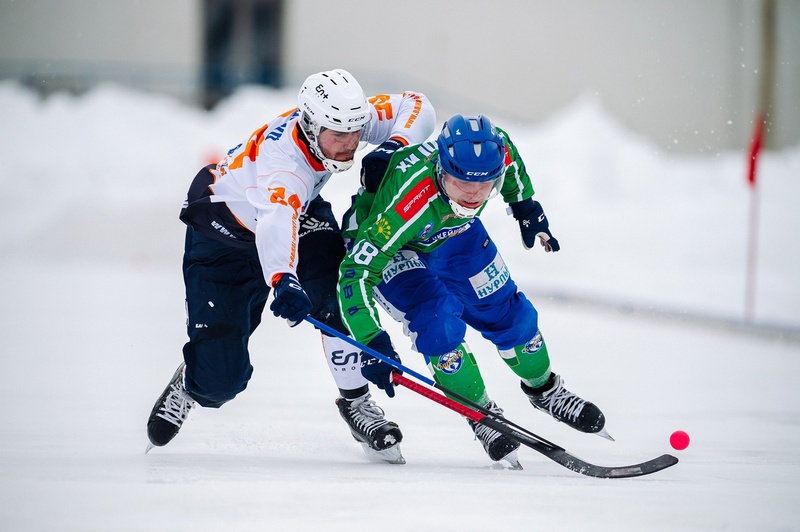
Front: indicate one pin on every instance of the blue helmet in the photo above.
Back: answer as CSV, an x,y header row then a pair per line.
x,y
470,149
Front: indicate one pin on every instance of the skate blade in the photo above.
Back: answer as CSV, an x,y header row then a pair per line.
x,y
509,461
604,434
392,455
150,446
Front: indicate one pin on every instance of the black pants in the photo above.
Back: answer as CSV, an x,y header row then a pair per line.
x,y
226,295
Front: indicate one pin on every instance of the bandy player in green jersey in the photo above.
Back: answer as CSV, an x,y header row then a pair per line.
x,y
419,249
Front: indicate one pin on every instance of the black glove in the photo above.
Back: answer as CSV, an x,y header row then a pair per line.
x,y
533,223
375,163
291,302
375,370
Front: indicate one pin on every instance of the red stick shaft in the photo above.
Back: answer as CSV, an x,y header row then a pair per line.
x,y
439,398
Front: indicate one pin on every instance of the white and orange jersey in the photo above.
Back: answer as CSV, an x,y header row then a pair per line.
x,y
258,191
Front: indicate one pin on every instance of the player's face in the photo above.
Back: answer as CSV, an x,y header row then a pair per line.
x,y
338,145
469,194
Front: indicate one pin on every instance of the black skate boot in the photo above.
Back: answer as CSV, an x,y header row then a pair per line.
x,y
567,407
169,412
497,445
379,438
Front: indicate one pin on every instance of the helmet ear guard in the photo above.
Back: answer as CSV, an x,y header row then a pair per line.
x,y
332,100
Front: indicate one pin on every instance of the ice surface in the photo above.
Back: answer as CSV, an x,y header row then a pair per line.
x,y
641,309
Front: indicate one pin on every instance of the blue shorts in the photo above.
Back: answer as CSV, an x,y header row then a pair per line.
x,y
462,282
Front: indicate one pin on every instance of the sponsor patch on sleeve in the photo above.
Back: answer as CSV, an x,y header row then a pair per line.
x,y
416,199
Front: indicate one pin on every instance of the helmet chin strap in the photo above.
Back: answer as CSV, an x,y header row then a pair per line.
x,y
461,211
336,167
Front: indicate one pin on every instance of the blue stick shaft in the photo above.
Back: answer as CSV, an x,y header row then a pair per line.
x,y
395,364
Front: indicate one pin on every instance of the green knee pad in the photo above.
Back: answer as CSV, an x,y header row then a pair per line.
x,y
530,361
458,371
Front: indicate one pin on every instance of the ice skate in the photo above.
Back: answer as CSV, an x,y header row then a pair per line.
x,y
169,412
497,445
567,407
379,438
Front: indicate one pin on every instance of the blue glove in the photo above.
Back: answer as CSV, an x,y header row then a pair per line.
x,y
291,302
375,163
533,223
375,370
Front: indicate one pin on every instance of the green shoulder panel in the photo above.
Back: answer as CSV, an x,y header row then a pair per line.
x,y
517,185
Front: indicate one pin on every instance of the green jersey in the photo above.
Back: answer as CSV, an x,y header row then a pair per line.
x,y
408,211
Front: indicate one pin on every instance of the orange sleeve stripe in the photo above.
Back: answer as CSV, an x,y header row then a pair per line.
x,y
401,140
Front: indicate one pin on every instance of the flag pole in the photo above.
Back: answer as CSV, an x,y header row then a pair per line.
x,y
752,226
760,130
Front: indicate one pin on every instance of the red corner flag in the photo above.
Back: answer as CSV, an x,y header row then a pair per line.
x,y
755,148
752,237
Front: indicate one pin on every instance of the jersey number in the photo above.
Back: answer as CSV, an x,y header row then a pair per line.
x,y
364,252
382,103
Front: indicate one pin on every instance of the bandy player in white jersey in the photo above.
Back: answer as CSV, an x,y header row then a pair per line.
x,y
256,222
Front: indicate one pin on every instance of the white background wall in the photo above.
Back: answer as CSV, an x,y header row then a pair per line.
x,y
683,72
149,43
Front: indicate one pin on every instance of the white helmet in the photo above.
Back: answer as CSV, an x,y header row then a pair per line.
x,y
332,100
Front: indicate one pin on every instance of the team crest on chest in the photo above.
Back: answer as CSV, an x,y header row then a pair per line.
x,y
425,230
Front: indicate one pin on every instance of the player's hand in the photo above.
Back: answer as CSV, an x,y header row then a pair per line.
x,y
291,302
375,163
375,370
533,224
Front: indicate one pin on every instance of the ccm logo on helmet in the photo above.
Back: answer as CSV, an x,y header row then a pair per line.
x,y
477,173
